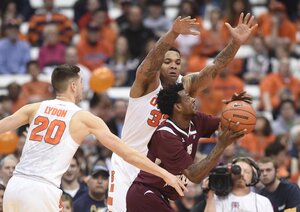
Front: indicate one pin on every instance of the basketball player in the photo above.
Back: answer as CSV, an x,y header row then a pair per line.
x,y
57,127
173,146
160,68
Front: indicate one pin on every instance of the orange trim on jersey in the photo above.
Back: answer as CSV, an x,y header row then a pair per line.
x,y
109,200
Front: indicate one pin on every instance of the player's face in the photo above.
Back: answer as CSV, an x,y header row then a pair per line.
x,y
170,68
188,103
245,177
268,173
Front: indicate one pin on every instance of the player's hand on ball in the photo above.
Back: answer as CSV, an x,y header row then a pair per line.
x,y
243,96
228,134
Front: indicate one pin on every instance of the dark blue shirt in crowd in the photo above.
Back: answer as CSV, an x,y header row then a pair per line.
x,y
86,204
83,189
287,195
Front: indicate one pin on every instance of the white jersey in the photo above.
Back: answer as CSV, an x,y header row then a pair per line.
x,y
141,120
49,147
251,202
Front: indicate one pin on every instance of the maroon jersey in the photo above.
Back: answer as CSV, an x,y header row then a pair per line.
x,y
174,149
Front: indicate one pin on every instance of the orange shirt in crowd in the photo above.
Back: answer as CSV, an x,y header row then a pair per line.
x,y
273,83
37,90
256,144
286,29
107,35
93,56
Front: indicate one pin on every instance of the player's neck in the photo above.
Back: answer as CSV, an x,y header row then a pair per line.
x,y
181,122
65,97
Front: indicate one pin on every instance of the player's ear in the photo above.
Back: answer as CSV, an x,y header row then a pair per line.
x,y
177,107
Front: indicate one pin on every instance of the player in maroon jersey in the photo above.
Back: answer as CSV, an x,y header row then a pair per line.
x,y
173,147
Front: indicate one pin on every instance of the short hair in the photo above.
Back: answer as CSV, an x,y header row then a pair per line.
x,y
61,76
274,148
269,160
29,63
65,197
175,50
8,157
167,97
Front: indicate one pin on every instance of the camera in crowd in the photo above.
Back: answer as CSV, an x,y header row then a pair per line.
x,y
220,179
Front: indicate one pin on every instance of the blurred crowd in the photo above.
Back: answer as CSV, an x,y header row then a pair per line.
x,y
93,37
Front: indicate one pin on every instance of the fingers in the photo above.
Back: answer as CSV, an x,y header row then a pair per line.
x,y
241,18
228,26
251,21
180,188
246,19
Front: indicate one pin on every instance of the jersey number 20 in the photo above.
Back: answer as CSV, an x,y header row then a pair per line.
x,y
43,124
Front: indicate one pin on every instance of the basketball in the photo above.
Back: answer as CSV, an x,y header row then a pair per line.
x,y
239,111
8,142
102,79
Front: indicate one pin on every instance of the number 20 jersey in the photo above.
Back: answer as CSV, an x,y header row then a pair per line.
x,y
49,147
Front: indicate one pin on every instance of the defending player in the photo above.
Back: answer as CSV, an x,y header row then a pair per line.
x,y
161,67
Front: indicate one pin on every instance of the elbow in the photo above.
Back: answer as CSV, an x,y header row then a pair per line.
x,y
197,179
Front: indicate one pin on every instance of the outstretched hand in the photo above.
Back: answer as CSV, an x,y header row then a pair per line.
x,y
243,30
176,183
229,134
185,26
242,96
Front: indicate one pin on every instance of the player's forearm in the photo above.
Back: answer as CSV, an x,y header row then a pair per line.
x,y
198,171
226,56
157,53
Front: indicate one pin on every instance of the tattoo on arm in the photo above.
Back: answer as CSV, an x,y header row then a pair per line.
x,y
226,55
198,171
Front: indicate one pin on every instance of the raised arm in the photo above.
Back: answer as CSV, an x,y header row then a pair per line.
x,y
147,76
21,117
240,34
96,126
198,171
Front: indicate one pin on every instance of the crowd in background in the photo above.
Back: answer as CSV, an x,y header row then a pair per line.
x,y
92,38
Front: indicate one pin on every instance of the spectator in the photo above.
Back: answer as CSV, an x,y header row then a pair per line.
x,y
49,15
234,8
67,203
106,33
276,27
15,95
258,65
136,33
72,59
29,89
71,184
156,20
122,20
95,199
276,190
287,118
116,123
122,63
7,166
5,106
256,142
241,198
52,52
92,51
274,84
14,53
278,152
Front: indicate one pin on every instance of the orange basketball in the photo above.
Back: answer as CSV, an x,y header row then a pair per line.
x,y
102,79
239,111
8,142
